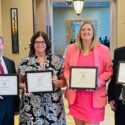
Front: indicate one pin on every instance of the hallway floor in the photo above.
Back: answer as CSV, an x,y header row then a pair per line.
x,y
109,118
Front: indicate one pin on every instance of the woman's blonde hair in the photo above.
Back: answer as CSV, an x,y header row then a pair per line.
x,y
79,39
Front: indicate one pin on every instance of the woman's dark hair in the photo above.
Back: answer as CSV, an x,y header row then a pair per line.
x,y
34,37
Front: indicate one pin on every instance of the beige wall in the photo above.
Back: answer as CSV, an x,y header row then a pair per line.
x,y
25,27
0,20
43,14
121,23
25,24
40,15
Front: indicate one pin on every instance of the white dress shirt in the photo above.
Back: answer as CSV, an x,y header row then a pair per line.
x,y
4,68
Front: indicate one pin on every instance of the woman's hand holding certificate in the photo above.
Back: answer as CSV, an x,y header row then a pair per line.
x,y
40,81
83,78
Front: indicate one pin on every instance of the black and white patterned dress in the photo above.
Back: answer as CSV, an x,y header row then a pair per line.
x,y
42,108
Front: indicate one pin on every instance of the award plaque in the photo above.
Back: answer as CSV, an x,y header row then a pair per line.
x,y
39,81
9,84
83,77
121,73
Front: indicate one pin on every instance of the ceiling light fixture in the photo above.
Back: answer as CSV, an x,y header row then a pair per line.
x,y
69,2
77,4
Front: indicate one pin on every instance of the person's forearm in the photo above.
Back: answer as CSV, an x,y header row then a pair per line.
x,y
59,83
62,82
22,86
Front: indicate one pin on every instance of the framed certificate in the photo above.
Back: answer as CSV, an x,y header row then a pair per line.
x,y
9,84
83,77
121,73
39,81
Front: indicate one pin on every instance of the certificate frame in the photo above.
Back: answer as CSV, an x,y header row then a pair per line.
x,y
83,73
120,78
5,88
37,77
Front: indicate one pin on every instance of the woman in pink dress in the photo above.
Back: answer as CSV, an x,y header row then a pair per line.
x,y
88,106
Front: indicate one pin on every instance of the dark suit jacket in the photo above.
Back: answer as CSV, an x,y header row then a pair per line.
x,y
10,104
114,89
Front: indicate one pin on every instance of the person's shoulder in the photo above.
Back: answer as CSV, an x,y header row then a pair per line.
x,y
53,56
120,49
101,46
7,59
56,61
56,57
25,59
72,46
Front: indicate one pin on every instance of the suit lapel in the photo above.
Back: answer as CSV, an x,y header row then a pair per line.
x,y
96,57
76,56
7,64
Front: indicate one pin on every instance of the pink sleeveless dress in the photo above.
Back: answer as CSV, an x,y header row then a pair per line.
x,y
82,108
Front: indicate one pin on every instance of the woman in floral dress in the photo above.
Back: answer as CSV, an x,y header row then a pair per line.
x,y
42,108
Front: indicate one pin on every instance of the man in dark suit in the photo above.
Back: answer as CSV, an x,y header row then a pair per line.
x,y
8,104
115,90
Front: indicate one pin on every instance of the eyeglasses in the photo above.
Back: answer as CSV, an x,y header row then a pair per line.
x,y
40,42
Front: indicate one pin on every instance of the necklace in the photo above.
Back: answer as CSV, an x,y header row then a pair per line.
x,y
41,62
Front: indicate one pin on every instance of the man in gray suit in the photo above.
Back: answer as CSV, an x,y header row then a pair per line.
x,y
8,104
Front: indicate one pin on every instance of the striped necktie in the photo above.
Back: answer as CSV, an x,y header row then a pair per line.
x,y
1,72
1,68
